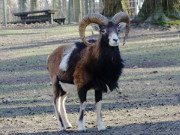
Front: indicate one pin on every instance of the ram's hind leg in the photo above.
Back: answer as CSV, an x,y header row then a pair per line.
x,y
98,100
63,112
58,94
57,111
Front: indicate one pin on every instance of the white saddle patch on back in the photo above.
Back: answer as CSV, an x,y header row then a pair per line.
x,y
64,63
68,87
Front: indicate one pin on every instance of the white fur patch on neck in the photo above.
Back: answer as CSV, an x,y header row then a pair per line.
x,y
64,63
113,39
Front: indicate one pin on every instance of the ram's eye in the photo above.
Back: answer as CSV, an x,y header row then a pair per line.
x,y
103,31
118,30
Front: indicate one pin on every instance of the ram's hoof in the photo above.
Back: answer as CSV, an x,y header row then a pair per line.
x,y
81,127
62,129
102,127
69,126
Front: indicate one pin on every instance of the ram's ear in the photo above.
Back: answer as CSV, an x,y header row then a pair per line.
x,y
122,26
95,27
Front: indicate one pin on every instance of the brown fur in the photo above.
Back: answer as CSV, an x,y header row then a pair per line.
x,y
95,49
54,61
80,75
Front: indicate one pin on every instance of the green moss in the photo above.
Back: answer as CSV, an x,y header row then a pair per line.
x,y
163,23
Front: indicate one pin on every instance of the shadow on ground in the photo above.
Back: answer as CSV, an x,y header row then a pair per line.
x,y
74,108
154,128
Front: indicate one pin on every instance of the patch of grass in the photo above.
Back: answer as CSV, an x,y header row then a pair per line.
x,y
7,89
153,74
165,23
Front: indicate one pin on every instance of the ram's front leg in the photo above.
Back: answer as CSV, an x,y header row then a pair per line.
x,y
98,99
82,96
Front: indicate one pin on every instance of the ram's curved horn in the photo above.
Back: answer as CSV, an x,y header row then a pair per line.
x,y
90,18
122,17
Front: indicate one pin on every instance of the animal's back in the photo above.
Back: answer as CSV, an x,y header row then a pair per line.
x,y
55,58
59,65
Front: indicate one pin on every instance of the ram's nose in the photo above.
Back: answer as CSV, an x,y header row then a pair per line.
x,y
115,40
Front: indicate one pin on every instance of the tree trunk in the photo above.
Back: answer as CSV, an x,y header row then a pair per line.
x,y
22,5
92,6
65,5
174,9
46,3
59,7
112,7
34,5
54,4
126,6
78,10
72,14
159,10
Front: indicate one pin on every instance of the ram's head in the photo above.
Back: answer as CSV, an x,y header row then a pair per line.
x,y
109,29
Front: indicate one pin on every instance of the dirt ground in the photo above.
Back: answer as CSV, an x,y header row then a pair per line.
x,y
146,103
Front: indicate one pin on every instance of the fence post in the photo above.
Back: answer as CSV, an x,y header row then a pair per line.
x,y
69,12
86,7
80,17
54,8
4,13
